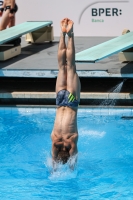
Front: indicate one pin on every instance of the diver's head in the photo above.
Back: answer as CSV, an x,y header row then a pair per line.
x,y
63,156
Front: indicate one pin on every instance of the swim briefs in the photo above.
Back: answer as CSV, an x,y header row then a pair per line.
x,y
15,9
65,98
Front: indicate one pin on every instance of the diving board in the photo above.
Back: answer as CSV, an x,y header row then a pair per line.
x,y
22,29
106,49
39,31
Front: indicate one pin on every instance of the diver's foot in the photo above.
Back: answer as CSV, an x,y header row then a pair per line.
x,y
70,27
64,26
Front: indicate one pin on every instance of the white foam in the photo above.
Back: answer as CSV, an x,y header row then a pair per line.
x,y
62,172
92,133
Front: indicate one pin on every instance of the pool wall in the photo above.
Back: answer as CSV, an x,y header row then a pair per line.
x,y
34,91
123,111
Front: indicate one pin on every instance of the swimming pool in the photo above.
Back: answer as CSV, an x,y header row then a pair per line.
x,y
105,160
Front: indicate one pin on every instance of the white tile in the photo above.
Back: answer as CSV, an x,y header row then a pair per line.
x,y
127,111
36,110
43,110
21,110
27,95
51,110
104,111
28,110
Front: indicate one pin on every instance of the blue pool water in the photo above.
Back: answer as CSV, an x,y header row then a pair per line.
x,y
105,160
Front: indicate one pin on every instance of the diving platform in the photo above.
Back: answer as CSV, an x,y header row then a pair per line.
x,y
101,51
35,31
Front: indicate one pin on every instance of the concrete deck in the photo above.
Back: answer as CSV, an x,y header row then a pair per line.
x,y
40,61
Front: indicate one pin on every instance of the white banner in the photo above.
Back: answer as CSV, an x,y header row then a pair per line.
x,y
91,17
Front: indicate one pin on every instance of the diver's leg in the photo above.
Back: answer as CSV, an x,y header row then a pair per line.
x,y
5,20
73,82
11,22
62,74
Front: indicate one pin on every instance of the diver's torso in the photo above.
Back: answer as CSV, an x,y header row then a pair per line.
x,y
65,122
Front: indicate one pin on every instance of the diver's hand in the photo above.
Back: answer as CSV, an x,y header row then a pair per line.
x,y
73,161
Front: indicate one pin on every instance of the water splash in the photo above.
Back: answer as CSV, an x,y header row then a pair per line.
x,y
110,102
62,172
115,90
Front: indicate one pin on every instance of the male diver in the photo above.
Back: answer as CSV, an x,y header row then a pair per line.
x,y
65,133
7,11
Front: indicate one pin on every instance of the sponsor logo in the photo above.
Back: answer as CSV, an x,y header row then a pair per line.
x,y
106,12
